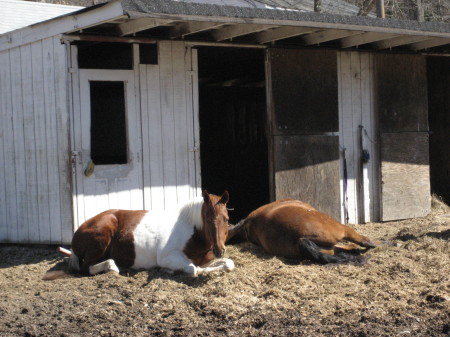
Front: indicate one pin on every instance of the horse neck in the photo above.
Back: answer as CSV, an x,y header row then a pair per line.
x,y
191,213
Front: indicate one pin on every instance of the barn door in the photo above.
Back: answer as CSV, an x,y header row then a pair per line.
x,y
303,109
109,165
404,143
169,106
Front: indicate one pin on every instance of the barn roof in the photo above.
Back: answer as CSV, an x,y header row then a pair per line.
x,y
17,14
328,6
245,23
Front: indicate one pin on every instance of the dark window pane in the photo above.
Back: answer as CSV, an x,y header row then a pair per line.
x,y
108,124
105,56
148,53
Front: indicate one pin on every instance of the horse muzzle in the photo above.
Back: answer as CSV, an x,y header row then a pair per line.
x,y
218,252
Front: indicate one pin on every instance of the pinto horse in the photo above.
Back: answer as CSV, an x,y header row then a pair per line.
x,y
294,229
189,238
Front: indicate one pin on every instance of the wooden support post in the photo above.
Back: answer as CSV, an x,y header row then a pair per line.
x,y
380,9
420,14
317,6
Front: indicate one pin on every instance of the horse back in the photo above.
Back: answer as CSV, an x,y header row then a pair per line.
x,y
278,226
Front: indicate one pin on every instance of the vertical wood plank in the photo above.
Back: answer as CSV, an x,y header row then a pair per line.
x,y
191,116
370,176
143,94
342,193
41,145
136,183
155,145
347,134
30,145
195,107
19,145
7,199
63,145
168,123
355,68
180,121
51,139
79,204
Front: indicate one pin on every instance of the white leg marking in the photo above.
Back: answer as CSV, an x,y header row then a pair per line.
x,y
178,261
217,264
105,266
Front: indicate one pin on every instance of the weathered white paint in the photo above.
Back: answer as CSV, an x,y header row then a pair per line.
x,y
356,108
170,127
35,183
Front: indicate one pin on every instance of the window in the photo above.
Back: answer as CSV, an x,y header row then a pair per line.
x,y
105,56
108,123
148,53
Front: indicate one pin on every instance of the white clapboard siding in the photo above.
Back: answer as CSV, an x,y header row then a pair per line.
x,y
35,174
168,121
356,108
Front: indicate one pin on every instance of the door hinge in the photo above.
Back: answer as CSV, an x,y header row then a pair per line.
x,y
74,156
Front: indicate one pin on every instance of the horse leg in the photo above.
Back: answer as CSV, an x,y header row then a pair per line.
x,y
105,266
309,250
217,264
178,261
351,235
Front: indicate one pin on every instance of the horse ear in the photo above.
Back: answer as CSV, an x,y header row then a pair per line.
x,y
224,198
206,198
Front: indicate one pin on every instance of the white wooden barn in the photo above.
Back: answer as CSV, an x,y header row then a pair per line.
x,y
132,104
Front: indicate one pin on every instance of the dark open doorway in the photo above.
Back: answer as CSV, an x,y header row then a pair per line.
x,y
234,152
438,71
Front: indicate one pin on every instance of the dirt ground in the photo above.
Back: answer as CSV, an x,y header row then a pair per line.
x,y
404,290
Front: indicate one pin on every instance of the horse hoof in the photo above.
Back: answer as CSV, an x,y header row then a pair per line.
x,y
229,265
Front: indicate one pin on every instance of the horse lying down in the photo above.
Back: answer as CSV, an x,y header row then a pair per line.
x,y
190,239
295,230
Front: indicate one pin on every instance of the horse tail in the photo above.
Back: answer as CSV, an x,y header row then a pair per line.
x,y
74,262
310,250
74,265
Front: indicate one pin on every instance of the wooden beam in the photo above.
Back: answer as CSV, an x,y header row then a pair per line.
x,y
366,37
233,31
430,43
380,8
187,28
327,35
103,38
137,25
399,41
281,33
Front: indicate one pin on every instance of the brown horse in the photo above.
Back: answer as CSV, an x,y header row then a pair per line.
x,y
189,238
293,229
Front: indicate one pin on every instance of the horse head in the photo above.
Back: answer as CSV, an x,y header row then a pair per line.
x,y
215,221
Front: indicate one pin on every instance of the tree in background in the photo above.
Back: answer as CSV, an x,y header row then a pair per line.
x,y
422,10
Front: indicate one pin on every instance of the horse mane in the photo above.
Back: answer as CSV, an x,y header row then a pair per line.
x,y
191,212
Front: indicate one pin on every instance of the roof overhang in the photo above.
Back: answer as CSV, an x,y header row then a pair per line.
x,y
145,21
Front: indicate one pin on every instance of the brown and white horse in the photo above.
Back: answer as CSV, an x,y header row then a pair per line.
x,y
293,229
189,238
